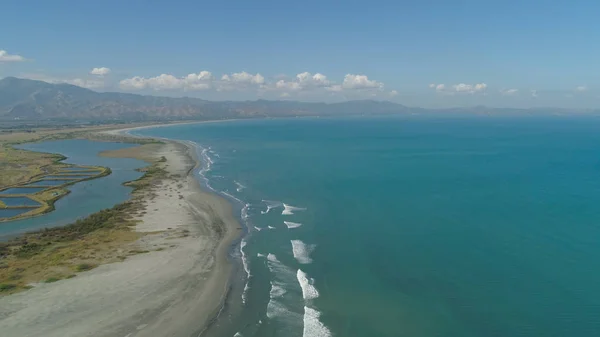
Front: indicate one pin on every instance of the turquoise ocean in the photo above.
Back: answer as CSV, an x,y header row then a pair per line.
x,y
408,226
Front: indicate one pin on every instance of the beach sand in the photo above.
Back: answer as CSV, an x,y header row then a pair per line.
x,y
175,289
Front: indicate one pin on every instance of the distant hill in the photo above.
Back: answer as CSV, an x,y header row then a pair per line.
x,y
22,99
34,100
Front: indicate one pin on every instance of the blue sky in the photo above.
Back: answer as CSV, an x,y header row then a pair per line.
x,y
500,53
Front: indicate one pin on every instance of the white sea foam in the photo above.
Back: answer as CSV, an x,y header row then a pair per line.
x,y
232,197
291,225
276,309
246,269
309,291
270,205
240,187
260,255
271,227
284,280
302,251
258,228
272,257
245,292
205,162
244,258
289,209
244,212
313,327
282,274
277,290
237,334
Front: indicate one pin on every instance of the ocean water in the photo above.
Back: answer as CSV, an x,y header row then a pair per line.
x,y
86,197
409,226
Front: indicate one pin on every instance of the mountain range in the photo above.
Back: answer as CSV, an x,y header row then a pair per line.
x,y
24,99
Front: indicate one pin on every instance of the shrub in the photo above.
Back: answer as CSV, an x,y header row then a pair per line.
x,y
84,267
7,286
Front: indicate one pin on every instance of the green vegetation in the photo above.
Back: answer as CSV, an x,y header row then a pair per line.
x,y
5,287
52,280
84,267
136,251
27,250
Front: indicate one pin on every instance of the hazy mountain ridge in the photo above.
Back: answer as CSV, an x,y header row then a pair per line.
x,y
36,100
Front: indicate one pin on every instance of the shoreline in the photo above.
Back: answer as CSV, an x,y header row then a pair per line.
x,y
189,273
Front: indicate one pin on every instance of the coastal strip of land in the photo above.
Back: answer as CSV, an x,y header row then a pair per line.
x,y
168,273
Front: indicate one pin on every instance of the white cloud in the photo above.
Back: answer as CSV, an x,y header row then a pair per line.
x,y
240,81
102,71
284,85
393,93
460,88
469,88
303,81
244,77
534,93
306,79
285,94
352,81
509,92
6,57
200,81
334,88
581,88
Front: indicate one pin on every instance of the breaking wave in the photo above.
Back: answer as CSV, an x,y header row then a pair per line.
x,y
283,277
302,251
289,209
270,205
246,269
291,225
313,327
309,291
240,187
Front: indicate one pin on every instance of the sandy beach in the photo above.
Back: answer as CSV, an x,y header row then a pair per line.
x,y
174,289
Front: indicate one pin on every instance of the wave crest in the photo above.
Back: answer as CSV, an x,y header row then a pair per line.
x,y
302,251
309,292
291,225
289,209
